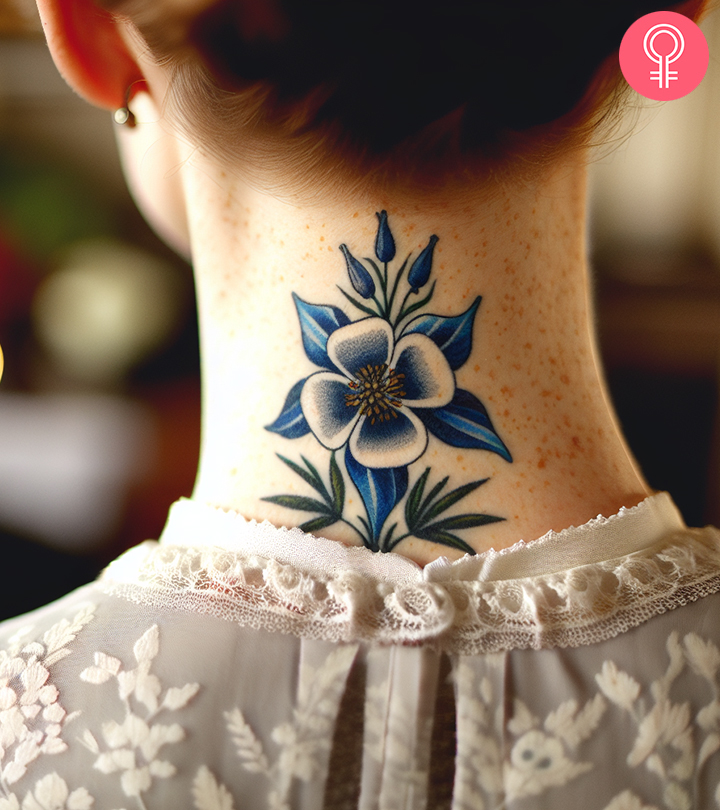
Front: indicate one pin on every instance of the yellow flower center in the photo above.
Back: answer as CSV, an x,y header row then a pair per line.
x,y
375,391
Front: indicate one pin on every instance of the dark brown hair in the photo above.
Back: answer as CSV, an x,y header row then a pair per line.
x,y
391,85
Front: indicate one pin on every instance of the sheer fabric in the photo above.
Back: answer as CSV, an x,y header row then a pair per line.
x,y
233,665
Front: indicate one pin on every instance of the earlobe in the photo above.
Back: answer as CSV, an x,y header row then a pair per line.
x,y
89,50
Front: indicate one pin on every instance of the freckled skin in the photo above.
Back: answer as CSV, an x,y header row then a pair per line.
x,y
519,245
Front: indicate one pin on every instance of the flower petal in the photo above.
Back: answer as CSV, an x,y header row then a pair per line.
x,y
396,442
324,407
365,342
429,381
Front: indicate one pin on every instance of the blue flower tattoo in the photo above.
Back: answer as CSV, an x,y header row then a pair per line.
x,y
385,384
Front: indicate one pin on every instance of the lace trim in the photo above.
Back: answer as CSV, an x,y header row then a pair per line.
x,y
582,605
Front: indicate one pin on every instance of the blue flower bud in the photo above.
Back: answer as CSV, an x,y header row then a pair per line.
x,y
384,242
421,267
360,278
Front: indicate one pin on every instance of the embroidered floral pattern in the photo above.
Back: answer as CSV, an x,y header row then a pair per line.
x,y
544,758
50,793
666,732
304,742
32,717
134,745
479,763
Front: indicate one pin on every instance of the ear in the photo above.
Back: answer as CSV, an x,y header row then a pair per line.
x,y
89,51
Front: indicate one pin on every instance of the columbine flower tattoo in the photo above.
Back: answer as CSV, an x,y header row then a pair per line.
x,y
386,384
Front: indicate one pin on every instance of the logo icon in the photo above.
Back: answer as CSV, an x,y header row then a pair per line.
x,y
664,56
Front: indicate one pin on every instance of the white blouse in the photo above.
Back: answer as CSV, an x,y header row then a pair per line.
x,y
237,665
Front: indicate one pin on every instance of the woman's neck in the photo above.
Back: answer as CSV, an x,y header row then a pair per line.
x,y
509,394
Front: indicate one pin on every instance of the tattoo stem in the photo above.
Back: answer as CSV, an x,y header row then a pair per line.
x,y
395,286
379,306
401,314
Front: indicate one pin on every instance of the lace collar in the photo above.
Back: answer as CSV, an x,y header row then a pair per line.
x,y
574,587
191,523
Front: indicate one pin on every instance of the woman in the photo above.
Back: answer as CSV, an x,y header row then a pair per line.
x,y
385,207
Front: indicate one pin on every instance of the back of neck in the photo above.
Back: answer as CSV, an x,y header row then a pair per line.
x,y
376,385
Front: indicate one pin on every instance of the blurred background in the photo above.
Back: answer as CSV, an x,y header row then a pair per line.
x,y
100,401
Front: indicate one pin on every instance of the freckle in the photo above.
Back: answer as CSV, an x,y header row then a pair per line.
x,y
477,368
576,442
355,215
506,412
459,458
541,464
528,346
564,379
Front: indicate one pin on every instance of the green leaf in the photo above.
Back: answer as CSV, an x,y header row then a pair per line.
x,y
413,502
312,477
316,475
318,523
337,485
450,499
444,538
300,502
357,304
386,544
469,521
436,490
368,538
416,305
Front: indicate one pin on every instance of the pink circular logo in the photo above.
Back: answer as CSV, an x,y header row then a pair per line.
x,y
664,56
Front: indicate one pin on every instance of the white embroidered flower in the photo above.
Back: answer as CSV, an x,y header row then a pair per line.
x,y
136,742
8,697
627,800
618,686
676,797
208,793
51,793
663,725
31,717
538,762
573,726
703,656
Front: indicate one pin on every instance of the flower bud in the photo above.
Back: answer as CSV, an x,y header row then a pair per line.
x,y
421,267
360,278
384,242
